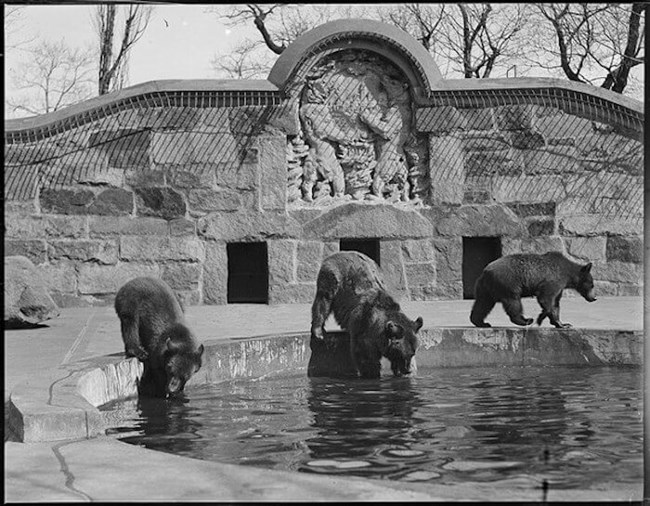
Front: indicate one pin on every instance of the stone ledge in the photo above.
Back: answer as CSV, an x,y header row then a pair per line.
x,y
63,404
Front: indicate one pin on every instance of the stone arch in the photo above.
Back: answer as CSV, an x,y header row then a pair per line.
x,y
386,40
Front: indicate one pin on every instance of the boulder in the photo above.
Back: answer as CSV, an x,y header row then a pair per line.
x,y
27,301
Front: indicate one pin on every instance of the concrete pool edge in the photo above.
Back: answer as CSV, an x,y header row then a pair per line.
x,y
62,404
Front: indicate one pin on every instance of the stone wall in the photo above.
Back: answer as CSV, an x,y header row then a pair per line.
x,y
158,179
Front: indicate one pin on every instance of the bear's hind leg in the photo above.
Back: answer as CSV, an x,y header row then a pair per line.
x,y
515,311
131,337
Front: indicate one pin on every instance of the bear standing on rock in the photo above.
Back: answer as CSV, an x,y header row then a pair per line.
x,y
154,330
512,277
350,286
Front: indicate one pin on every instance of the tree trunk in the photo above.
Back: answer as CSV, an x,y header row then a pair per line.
x,y
106,48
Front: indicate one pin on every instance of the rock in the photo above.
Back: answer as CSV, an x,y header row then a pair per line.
x,y
27,301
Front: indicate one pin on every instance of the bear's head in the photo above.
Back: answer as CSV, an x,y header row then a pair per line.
x,y
585,284
400,342
182,359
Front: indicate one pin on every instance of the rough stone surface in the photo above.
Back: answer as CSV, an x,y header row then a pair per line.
x,y
447,169
248,226
358,220
181,275
392,268
625,249
586,248
160,202
26,298
282,262
103,252
66,201
35,250
215,273
107,279
476,220
308,256
110,226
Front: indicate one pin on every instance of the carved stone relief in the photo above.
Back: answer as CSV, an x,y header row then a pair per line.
x,y
357,139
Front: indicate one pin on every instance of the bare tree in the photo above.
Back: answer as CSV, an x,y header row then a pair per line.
x,y
115,47
482,36
242,62
422,21
54,76
14,30
592,43
280,24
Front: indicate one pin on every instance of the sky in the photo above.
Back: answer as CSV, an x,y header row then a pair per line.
x,y
179,43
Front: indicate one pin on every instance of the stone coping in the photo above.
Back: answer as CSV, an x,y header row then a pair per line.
x,y
62,404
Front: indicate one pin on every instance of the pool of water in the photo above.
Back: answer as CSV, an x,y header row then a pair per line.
x,y
569,427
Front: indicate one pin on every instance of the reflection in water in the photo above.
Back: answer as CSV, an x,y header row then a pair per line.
x,y
566,427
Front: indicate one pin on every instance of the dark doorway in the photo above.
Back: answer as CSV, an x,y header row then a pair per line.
x,y
477,253
248,272
369,247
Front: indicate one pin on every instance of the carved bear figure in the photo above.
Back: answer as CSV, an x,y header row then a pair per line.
x,y
512,277
154,330
350,286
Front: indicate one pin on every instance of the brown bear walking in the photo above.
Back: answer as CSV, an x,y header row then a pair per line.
x,y
512,277
154,330
350,286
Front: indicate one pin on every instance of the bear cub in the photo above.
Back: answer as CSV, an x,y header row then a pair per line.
x,y
154,330
350,286
512,277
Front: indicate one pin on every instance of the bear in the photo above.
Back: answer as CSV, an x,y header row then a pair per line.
x,y
154,330
350,286
544,276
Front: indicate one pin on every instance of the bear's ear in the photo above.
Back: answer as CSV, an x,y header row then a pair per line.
x,y
171,345
418,323
587,268
200,351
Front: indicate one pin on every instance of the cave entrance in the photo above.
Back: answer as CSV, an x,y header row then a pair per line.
x,y
477,253
248,272
369,247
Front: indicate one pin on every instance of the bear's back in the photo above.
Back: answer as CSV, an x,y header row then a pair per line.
x,y
354,271
151,301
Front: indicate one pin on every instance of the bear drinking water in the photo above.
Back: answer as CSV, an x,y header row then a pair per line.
x,y
350,286
154,330
512,277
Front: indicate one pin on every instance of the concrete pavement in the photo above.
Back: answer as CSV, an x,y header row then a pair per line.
x,y
105,469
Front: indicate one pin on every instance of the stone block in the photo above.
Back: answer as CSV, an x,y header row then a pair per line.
x,y
625,249
515,117
216,119
478,220
591,249
175,118
485,142
292,294
477,196
215,273
161,248
21,154
619,272
392,268
186,148
525,210
181,275
482,164
65,201
308,255
526,139
282,262
273,172
541,226
421,274
362,220
189,297
248,119
218,200
182,226
447,169
555,124
237,176
553,160
478,119
103,252
126,148
100,226
201,176
418,250
248,225
449,260
594,224
112,202
439,119
531,189
33,249
26,298
144,177
629,290
60,277
160,202
96,279
103,176
538,245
